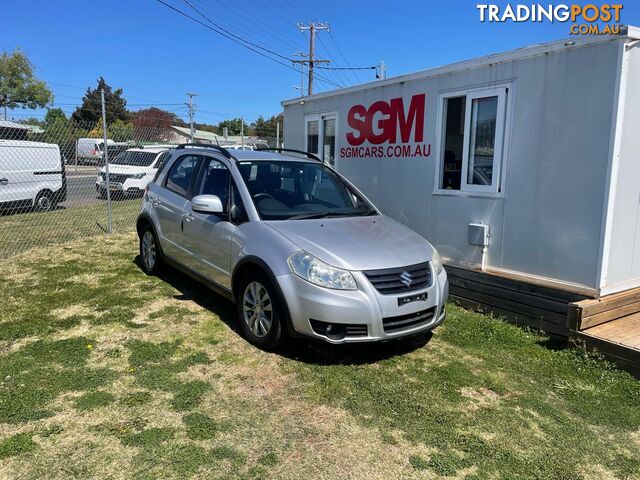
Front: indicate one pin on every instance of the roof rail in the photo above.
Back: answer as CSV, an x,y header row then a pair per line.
x,y
290,150
223,151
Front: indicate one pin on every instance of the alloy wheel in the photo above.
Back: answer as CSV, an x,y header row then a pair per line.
x,y
257,309
149,250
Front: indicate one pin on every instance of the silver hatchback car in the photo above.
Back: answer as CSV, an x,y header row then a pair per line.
x,y
294,244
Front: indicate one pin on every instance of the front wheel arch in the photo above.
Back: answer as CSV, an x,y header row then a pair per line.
x,y
251,264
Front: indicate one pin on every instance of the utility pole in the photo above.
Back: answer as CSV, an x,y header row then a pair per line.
x,y
191,113
311,61
242,132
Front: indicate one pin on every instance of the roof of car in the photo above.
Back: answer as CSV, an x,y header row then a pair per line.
x,y
148,149
268,155
258,155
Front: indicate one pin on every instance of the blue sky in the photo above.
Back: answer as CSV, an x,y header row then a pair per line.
x,y
157,56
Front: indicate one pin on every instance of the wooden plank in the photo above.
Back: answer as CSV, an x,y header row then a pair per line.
x,y
510,305
624,357
589,313
608,315
513,317
593,307
624,331
516,285
525,298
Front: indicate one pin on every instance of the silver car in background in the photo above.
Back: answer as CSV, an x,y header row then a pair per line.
x,y
298,248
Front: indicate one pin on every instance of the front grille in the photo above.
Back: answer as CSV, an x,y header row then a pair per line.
x,y
390,281
115,177
403,322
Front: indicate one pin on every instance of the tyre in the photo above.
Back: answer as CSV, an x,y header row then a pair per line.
x,y
150,255
260,313
44,202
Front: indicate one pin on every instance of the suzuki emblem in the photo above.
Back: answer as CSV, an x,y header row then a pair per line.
x,y
406,279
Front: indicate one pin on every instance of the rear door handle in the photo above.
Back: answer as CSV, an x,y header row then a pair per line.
x,y
4,181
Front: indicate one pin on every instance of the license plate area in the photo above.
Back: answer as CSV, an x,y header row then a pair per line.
x,y
420,297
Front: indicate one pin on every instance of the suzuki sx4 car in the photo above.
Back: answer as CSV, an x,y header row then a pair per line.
x,y
294,244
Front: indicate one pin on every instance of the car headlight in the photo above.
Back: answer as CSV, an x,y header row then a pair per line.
x,y
315,271
138,176
436,259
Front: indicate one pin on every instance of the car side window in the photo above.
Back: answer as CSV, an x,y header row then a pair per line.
x,y
181,173
214,180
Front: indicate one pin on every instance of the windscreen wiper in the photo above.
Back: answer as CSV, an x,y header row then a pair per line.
x,y
305,216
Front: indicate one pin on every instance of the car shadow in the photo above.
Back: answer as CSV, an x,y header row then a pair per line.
x,y
298,349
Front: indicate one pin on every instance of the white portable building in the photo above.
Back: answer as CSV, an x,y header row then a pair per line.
x,y
522,168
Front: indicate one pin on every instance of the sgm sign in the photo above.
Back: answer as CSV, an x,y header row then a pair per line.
x,y
399,126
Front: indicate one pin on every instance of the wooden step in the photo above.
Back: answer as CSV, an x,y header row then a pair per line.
x,y
592,312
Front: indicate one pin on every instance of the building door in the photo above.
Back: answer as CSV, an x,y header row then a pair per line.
x,y
320,137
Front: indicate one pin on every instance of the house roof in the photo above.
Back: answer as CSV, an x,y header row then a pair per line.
x,y
200,134
10,124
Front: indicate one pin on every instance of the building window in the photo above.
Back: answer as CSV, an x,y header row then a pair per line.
x,y
321,137
473,127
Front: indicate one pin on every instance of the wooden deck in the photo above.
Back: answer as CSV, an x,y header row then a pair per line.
x,y
610,324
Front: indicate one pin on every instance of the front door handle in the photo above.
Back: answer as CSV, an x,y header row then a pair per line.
x,y
4,181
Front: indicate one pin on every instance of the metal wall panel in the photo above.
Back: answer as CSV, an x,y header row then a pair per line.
x,y
624,254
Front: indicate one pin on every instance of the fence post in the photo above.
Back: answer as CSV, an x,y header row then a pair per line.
x,y
278,135
106,160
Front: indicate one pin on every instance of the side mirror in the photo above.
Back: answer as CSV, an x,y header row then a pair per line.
x,y
207,204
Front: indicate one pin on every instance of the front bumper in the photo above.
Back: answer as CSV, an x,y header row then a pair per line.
x,y
127,188
309,304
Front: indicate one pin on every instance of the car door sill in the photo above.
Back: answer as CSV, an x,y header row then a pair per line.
x,y
216,287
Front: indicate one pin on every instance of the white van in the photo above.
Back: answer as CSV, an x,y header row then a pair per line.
x,y
91,150
31,175
131,171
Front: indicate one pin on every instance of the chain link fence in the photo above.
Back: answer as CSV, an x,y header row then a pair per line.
x,y
53,182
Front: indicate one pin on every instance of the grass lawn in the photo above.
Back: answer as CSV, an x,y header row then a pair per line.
x,y
108,373
23,231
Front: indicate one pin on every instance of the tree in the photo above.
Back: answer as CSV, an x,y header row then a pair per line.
x,y
91,109
234,126
53,115
268,128
18,86
154,124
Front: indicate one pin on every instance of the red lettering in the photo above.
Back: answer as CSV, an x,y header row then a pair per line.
x,y
381,121
358,124
414,118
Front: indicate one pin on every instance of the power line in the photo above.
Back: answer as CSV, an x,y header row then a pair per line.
x,y
245,45
272,52
342,55
348,68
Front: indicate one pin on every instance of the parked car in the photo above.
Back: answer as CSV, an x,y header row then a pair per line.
x,y
131,171
91,150
32,175
295,245
238,147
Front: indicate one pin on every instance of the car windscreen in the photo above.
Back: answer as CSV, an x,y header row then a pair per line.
x,y
300,190
137,159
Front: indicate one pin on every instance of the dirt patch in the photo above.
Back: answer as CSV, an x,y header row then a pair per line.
x,y
480,397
